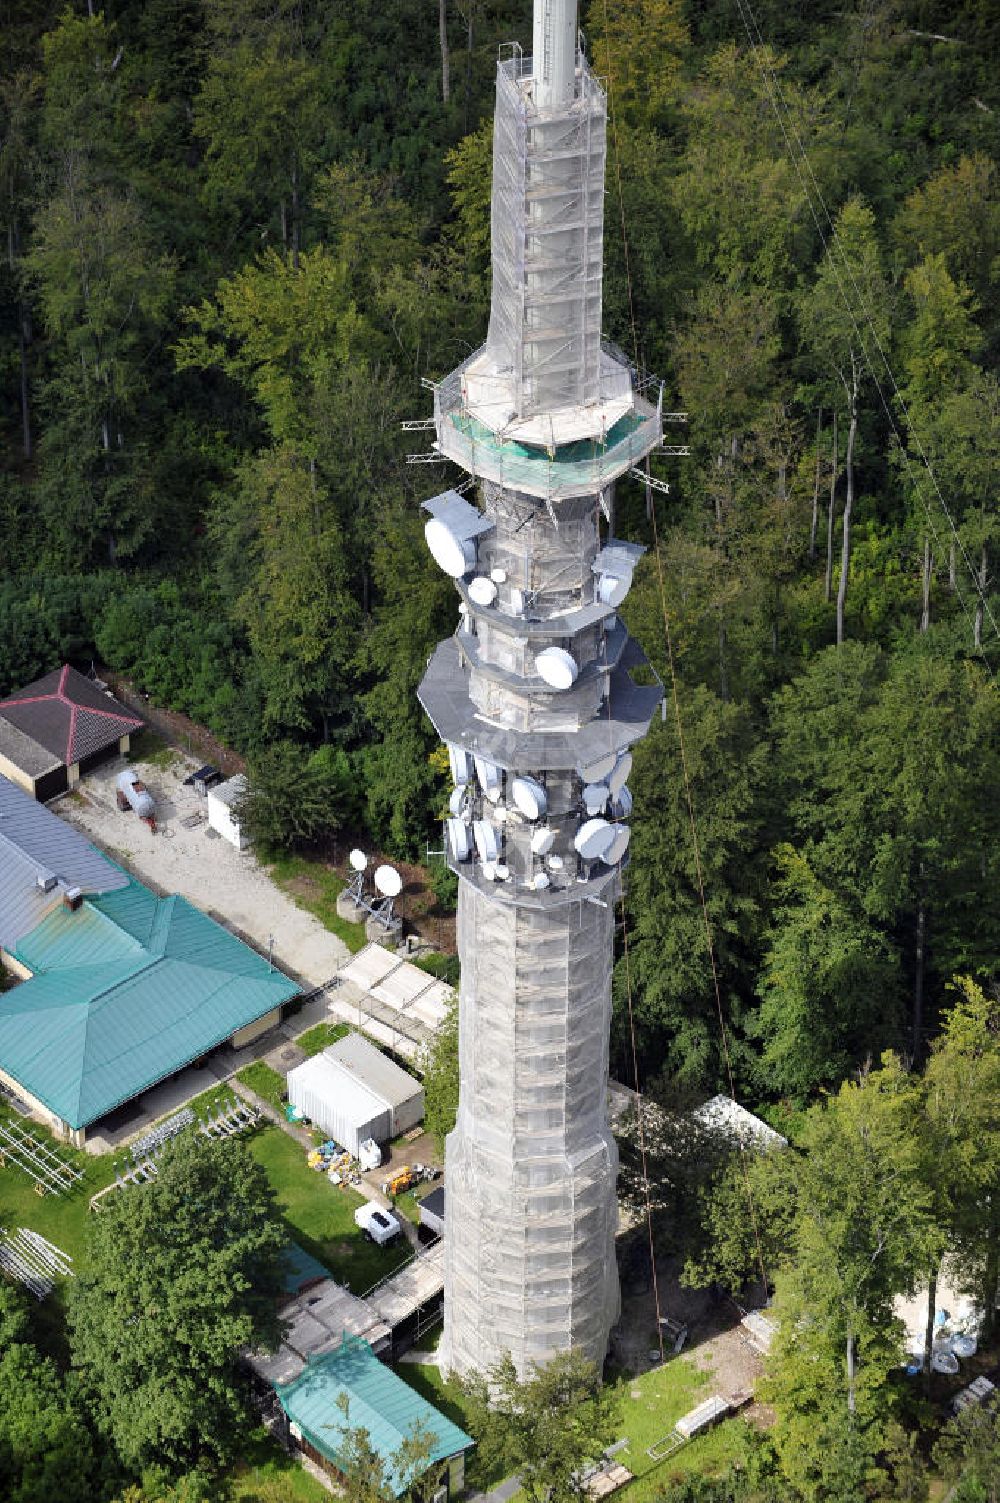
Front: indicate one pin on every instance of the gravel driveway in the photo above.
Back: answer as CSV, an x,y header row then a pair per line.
x,y
226,883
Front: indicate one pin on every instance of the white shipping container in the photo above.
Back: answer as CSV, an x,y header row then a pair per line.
x,y
344,1108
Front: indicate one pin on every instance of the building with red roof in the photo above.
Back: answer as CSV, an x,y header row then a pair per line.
x,y
56,728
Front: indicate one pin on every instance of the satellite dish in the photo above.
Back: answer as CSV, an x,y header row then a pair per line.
x,y
556,863
482,591
622,806
540,881
619,775
358,860
455,555
593,838
487,843
596,772
557,667
517,602
489,778
498,576
612,588
619,845
530,797
595,797
461,765
501,873
457,800
388,881
543,840
489,870
458,839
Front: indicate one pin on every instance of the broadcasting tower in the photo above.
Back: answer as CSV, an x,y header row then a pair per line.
x,y
535,698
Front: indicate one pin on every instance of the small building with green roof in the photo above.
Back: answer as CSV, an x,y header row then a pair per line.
x,y
125,989
351,1389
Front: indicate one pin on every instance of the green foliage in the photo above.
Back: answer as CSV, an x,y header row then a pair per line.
x,y
294,796
155,1339
440,1069
45,1448
547,1425
968,1453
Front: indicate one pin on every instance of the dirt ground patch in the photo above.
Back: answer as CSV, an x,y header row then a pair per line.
x,y
185,857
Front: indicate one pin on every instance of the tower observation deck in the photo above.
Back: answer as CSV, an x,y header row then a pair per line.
x,y
536,698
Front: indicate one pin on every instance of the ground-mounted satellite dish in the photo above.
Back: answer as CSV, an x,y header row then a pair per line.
x,y
556,863
461,766
595,798
489,778
596,772
540,881
458,840
619,844
621,807
530,797
487,843
498,576
457,800
482,591
358,860
543,840
593,838
388,881
455,555
612,588
517,602
557,667
620,772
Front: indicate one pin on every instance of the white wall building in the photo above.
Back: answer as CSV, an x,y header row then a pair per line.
x,y
353,1092
221,815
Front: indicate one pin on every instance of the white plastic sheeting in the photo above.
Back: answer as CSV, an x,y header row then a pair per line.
x,y
531,1165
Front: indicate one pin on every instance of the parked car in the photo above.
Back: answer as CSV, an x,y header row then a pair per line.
x,y
378,1225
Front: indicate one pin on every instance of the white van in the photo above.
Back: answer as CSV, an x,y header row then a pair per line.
x,y
380,1226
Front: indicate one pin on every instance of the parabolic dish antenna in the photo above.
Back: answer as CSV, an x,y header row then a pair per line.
x,y
358,860
530,797
455,555
482,591
457,800
556,863
612,588
620,772
498,576
489,870
486,840
619,845
543,840
501,872
595,797
489,778
458,839
540,881
622,805
461,765
596,772
388,881
593,838
557,667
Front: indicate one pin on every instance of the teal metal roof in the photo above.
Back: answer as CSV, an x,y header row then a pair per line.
x,y
377,1401
124,991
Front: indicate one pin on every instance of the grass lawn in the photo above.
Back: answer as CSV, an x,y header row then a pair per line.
x,y
449,1398
321,1037
147,746
267,1083
60,1218
320,1216
266,1472
316,888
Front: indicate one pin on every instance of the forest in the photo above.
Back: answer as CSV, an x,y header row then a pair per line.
x,y
241,235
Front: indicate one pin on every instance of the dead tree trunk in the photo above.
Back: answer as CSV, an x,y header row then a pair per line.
x,y
445,59
815,510
828,587
925,610
845,552
919,958
977,627
929,1328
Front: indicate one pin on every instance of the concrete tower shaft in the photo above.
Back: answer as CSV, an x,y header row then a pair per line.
x,y
535,697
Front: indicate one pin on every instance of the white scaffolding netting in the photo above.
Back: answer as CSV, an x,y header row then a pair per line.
x,y
530,1210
